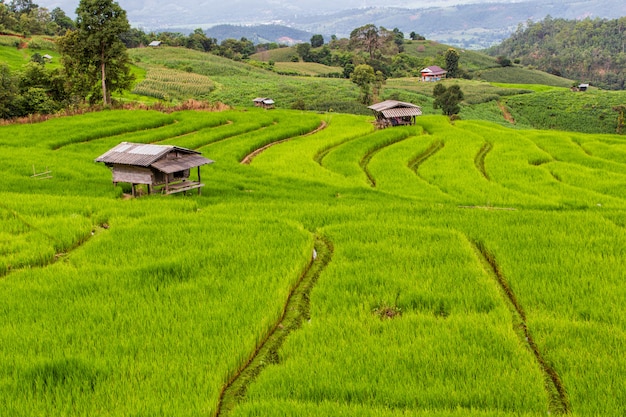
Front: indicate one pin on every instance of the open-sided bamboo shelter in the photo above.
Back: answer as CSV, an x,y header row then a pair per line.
x,y
163,168
395,113
265,102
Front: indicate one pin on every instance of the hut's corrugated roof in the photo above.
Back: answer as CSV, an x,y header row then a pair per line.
x,y
145,155
169,166
134,154
391,104
402,112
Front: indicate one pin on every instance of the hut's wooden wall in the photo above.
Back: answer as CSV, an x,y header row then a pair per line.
x,y
133,175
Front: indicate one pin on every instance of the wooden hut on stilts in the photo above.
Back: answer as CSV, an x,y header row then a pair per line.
x,y
163,168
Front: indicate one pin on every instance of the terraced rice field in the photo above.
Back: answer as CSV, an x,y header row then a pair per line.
x,y
433,270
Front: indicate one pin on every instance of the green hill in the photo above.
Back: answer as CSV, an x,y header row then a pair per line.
x,y
589,50
237,83
434,51
520,75
15,51
590,111
285,54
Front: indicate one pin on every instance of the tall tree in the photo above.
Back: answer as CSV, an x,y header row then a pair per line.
x,y
367,38
398,39
365,77
8,91
95,53
452,62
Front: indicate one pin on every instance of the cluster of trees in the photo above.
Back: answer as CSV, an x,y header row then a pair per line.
x,y
589,50
380,48
27,18
95,64
197,40
35,90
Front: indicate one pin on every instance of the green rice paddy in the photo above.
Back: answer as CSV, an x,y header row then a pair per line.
x,y
466,269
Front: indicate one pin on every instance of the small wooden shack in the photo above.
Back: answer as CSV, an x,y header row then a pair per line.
x,y
433,73
395,113
163,168
265,102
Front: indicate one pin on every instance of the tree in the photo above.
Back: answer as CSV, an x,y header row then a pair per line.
x,y
317,41
38,21
200,41
304,50
7,18
398,38
94,53
364,76
135,38
503,61
416,36
22,6
8,91
447,99
366,38
348,69
452,62
62,20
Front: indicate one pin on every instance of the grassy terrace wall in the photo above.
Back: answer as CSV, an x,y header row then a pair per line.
x,y
475,270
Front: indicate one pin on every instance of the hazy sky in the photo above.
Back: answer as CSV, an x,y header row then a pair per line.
x,y
275,5
199,11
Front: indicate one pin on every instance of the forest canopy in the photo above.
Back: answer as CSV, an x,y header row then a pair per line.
x,y
589,50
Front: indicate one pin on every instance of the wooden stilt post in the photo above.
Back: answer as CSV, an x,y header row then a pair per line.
x,y
199,181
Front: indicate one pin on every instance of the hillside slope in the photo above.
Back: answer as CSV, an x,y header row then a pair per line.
x,y
591,51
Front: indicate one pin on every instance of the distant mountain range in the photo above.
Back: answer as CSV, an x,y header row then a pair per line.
x,y
280,34
469,23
